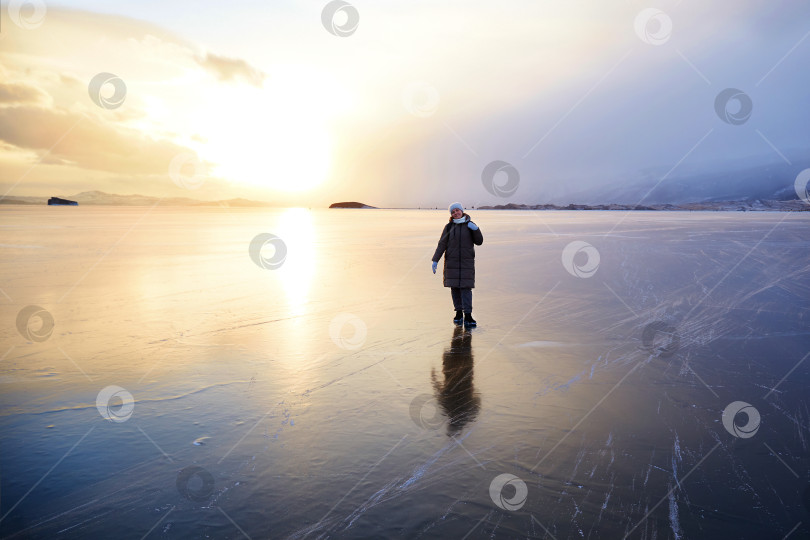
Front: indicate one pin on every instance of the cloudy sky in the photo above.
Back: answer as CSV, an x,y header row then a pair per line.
x,y
396,103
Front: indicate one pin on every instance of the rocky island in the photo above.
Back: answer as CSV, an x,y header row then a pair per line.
x,y
56,201
350,205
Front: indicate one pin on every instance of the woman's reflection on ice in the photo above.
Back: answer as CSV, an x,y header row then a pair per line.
x,y
456,395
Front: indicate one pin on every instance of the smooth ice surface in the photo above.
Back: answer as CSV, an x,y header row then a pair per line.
x,y
333,396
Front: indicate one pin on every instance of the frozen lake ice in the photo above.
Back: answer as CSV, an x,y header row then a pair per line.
x,y
638,375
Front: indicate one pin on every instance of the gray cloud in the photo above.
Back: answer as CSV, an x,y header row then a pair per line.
x,y
19,93
231,69
638,116
83,141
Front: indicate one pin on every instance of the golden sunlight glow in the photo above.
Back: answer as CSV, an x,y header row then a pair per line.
x,y
276,137
296,229
296,349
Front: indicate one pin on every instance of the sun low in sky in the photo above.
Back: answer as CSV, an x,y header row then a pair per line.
x,y
94,101
396,104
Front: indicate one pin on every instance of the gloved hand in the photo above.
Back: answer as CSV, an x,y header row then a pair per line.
x,y
472,225
435,264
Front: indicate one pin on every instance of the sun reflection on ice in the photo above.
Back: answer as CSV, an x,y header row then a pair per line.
x,y
296,229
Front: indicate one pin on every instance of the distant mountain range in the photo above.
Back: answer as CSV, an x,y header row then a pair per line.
x,y
745,180
750,183
101,198
758,205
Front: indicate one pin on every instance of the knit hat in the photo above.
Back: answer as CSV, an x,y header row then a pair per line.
x,y
456,205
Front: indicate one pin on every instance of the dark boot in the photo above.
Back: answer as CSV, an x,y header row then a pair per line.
x,y
459,317
468,320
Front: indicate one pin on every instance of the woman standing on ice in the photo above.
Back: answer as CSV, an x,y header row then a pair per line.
x,y
457,244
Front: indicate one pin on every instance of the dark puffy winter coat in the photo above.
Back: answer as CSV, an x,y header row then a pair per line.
x,y
457,244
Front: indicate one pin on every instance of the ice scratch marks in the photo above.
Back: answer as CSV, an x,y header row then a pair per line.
x,y
286,414
676,458
421,477
781,460
315,527
683,479
674,522
577,511
486,516
436,521
420,471
786,375
562,386
602,454
801,424
543,344
580,456
649,468
286,419
551,386
607,497
534,533
495,527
